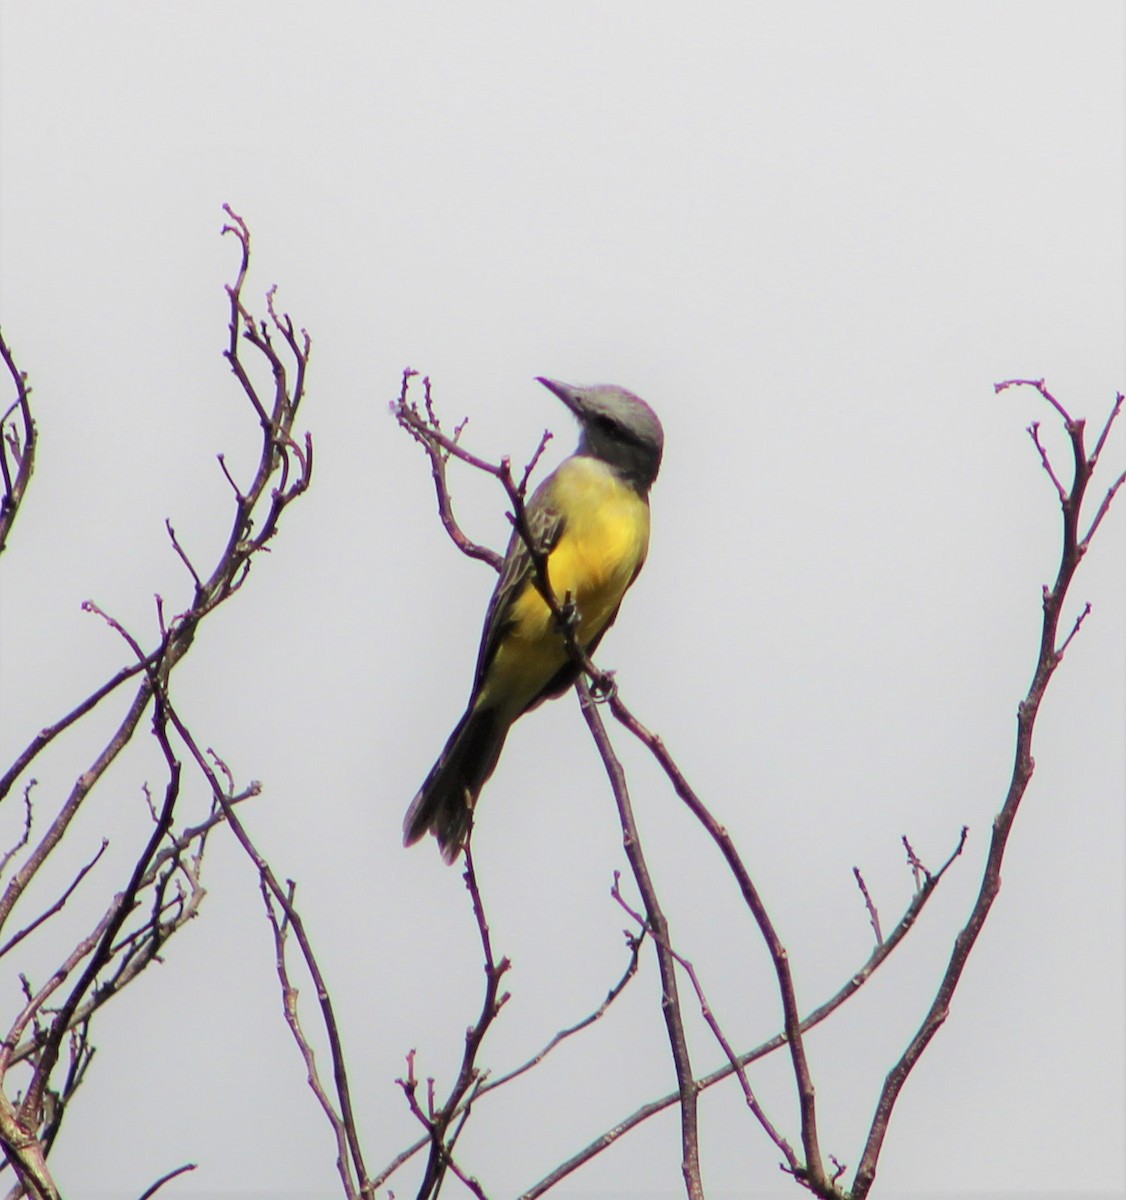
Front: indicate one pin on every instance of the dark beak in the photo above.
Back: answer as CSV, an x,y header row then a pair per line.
x,y
568,394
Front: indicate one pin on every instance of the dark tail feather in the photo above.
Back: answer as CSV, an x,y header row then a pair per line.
x,y
444,803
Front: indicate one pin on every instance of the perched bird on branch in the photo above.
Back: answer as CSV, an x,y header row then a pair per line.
x,y
590,518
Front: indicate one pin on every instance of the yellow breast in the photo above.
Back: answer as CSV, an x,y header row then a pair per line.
x,y
604,542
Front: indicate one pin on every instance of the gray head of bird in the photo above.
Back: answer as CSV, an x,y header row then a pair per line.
x,y
616,426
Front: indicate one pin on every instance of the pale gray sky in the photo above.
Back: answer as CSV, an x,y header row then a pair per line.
x,y
812,236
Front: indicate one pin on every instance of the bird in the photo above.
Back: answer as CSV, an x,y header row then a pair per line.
x,y
590,517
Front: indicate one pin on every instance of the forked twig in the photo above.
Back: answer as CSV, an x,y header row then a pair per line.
x,y
792,1164
1048,659
439,1119
657,923
17,446
112,954
848,989
485,1086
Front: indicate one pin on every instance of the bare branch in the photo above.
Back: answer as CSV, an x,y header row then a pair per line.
x,y
227,575
48,913
16,445
103,952
80,1056
1048,660
873,915
427,431
152,1190
603,685
461,1097
1083,615
1038,384
1102,510
280,928
427,427
27,1116
293,920
134,951
1112,416
813,1174
26,1156
915,863
1034,434
822,1181
851,986
658,925
467,1180
25,836
635,944
522,487
163,883
183,557
713,1024
484,1086
46,736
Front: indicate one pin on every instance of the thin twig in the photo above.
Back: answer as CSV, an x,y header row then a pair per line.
x,y
58,905
918,870
492,1002
532,463
873,915
484,1086
851,986
183,556
658,925
119,911
47,735
1045,462
226,577
427,432
280,929
21,449
635,944
294,921
709,1016
152,1190
1102,510
813,1173
111,956
28,822
1083,615
1112,416
1048,659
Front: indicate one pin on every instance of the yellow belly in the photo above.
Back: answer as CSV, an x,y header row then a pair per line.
x,y
603,545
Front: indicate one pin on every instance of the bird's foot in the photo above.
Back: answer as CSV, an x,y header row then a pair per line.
x,y
603,687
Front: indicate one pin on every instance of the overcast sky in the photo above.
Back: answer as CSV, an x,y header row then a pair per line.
x,y
812,236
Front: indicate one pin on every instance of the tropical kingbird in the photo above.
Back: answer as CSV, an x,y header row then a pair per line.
x,y
591,518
